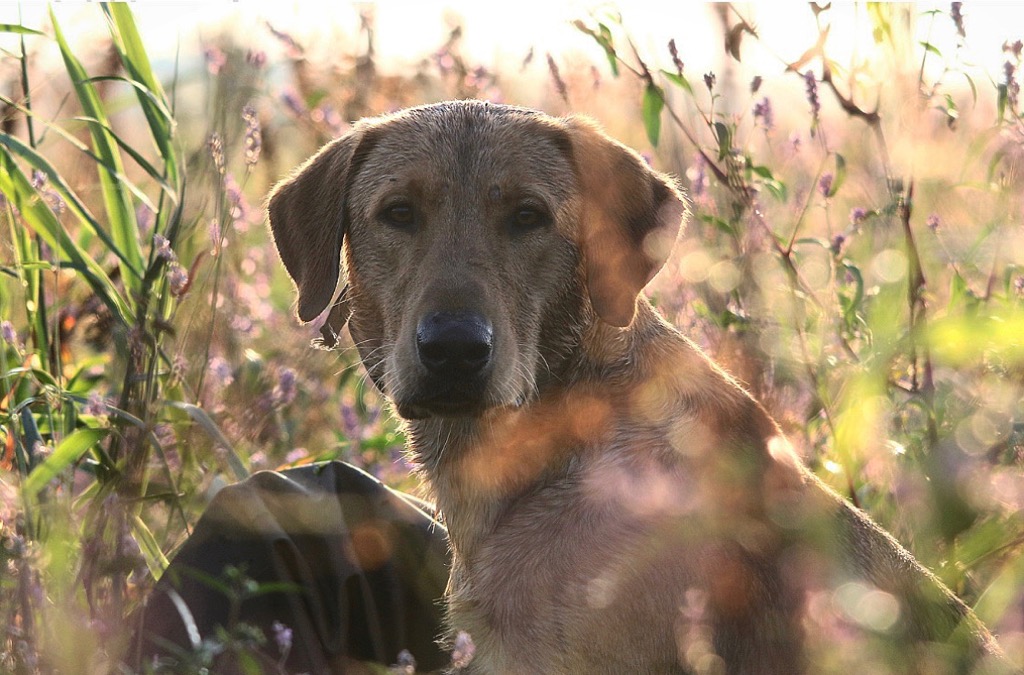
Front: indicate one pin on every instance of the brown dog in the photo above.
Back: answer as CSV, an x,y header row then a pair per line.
x,y
615,502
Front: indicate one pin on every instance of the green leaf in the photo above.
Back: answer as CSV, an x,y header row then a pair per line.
x,y
38,216
69,450
151,95
850,312
124,228
653,103
974,88
724,136
678,80
929,47
21,30
75,205
1001,102
156,561
839,177
213,431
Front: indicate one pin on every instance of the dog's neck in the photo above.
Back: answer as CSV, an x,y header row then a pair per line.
x,y
478,467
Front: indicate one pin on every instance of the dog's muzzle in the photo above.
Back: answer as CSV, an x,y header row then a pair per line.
x,y
456,351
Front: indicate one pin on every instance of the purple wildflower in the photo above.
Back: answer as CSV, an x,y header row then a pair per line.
x,y
556,77
444,60
795,142
676,61
1014,48
812,94
406,663
1012,86
698,175
857,215
215,144
282,636
216,237
95,405
10,335
837,244
294,48
464,650
221,371
932,222
253,135
763,111
144,217
291,100
286,388
256,59
177,279
296,455
163,248
238,208
825,184
215,59
709,80
327,114
958,18
38,179
1018,285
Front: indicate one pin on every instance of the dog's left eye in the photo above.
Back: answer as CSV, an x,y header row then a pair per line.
x,y
529,217
399,215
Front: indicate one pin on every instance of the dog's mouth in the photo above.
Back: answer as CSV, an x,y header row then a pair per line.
x,y
444,399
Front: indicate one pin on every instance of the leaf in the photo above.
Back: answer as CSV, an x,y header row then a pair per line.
x,y
839,177
69,450
21,30
156,561
678,80
734,38
929,47
75,205
1001,103
124,228
724,136
151,95
38,216
974,88
653,103
603,37
213,431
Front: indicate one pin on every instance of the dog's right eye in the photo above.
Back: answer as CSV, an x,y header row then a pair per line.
x,y
399,215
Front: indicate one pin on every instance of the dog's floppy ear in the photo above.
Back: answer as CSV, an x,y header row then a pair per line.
x,y
631,217
307,219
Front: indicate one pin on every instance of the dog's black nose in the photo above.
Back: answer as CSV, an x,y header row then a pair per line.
x,y
456,344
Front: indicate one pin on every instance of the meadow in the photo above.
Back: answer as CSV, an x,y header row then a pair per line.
x,y
855,257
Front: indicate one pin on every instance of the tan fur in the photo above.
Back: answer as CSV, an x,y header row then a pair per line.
x,y
617,503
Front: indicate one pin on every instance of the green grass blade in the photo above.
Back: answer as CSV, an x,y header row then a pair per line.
x,y
38,216
74,204
124,228
156,561
85,150
213,431
151,95
19,29
69,450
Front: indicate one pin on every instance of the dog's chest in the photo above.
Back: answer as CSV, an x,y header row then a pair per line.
x,y
573,604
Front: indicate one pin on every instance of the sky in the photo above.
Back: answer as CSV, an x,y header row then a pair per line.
x,y
494,31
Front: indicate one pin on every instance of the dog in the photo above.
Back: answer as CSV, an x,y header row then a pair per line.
x,y
615,501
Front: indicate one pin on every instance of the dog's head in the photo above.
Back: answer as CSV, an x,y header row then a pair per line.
x,y
477,242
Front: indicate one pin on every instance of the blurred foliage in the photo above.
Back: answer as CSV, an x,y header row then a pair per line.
x,y
856,256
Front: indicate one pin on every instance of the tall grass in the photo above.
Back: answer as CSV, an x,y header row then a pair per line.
x,y
856,257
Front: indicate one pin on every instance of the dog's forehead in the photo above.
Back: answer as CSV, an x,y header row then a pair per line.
x,y
471,140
